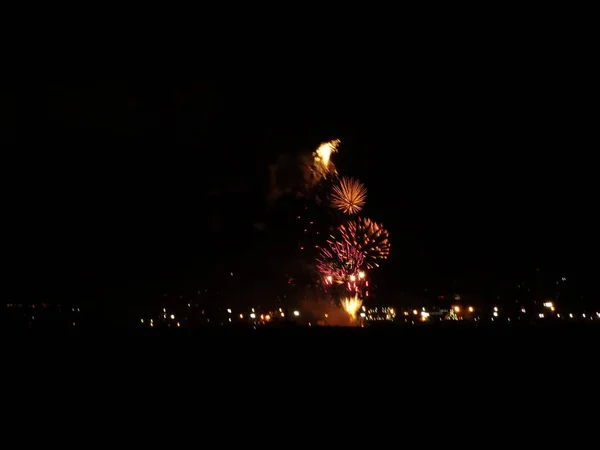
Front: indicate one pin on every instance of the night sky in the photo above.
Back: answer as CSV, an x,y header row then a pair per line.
x,y
480,172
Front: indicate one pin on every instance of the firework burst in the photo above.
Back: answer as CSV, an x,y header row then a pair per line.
x,y
348,195
322,165
340,262
352,305
369,237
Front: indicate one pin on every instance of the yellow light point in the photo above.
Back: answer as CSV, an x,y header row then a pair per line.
x,y
267,317
456,309
470,309
415,312
352,305
361,275
352,278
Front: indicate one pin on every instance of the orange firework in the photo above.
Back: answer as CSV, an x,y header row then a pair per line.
x,y
349,195
322,164
352,305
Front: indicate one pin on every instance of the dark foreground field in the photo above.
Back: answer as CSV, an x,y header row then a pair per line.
x,y
443,330
435,357
426,340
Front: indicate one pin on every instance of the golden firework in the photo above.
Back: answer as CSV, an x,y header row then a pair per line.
x,y
352,305
349,195
322,165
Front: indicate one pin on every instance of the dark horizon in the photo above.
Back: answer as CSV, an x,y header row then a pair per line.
x,y
479,179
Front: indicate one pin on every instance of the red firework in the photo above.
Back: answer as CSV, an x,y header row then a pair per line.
x,y
339,262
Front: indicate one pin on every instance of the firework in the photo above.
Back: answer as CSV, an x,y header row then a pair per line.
x,y
322,165
352,305
367,236
349,195
340,262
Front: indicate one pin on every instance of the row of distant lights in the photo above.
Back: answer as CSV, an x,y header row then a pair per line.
x,y
551,307
172,316
390,313
424,314
266,317
541,316
455,308
548,305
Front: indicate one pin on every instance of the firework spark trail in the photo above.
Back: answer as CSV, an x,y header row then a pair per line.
x,y
339,262
322,165
352,305
349,195
369,237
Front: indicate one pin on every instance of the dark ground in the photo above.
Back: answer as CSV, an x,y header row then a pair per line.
x,y
439,330
422,341
443,365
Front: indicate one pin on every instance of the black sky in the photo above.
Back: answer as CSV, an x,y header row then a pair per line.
x,y
474,165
